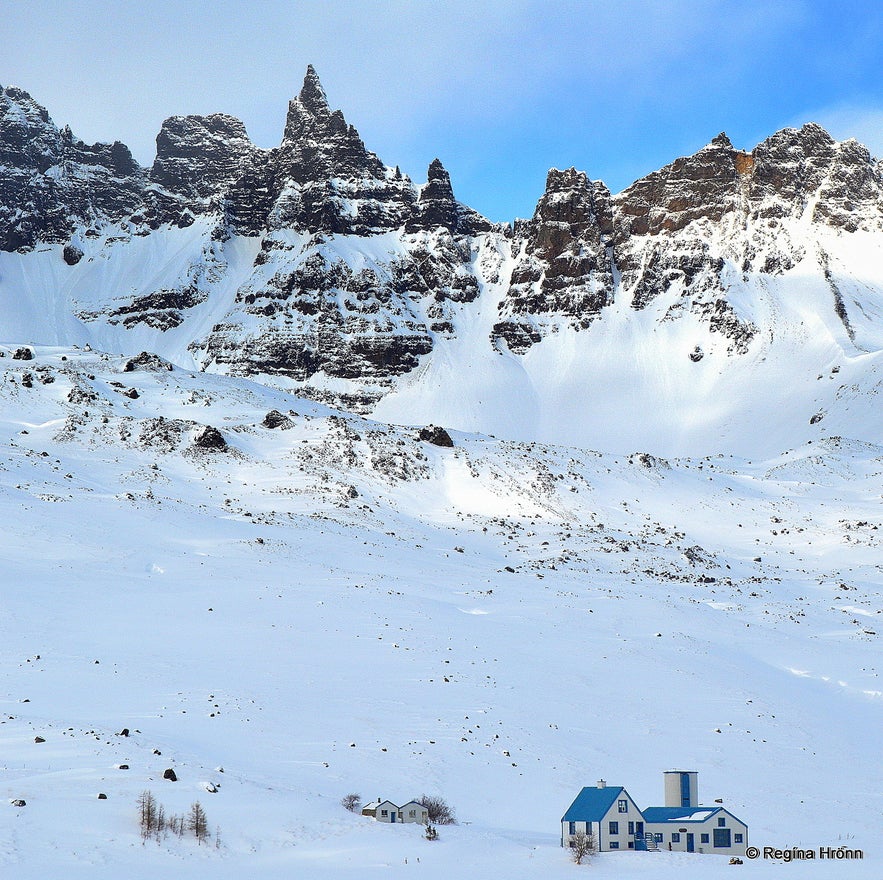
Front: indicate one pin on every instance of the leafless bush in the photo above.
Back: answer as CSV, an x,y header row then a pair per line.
x,y
351,802
438,810
581,845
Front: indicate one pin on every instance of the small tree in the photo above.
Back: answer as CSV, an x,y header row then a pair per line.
x,y
351,802
197,823
431,832
147,810
438,809
581,845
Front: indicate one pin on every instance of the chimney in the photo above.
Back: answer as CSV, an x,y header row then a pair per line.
x,y
602,783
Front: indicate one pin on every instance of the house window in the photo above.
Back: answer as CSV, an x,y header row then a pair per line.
x,y
613,828
614,844
631,827
658,837
412,814
703,838
623,806
737,838
721,823
675,837
572,829
384,812
722,837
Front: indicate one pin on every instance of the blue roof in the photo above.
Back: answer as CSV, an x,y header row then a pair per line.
x,y
679,814
592,804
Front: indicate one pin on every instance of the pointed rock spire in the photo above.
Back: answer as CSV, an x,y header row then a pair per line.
x,y
312,95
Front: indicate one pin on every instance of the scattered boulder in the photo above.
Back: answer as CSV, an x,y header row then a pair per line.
x,y
209,787
435,435
124,732
132,393
27,380
814,420
102,796
72,254
697,354
210,438
275,419
39,739
170,775
18,802
147,360
122,766
23,354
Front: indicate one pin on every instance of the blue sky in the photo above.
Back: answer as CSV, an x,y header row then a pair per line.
x,y
499,91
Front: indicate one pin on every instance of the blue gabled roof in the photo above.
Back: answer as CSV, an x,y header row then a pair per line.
x,y
679,814
592,804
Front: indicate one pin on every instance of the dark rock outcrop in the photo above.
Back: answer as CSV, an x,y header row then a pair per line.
x,y
435,435
211,439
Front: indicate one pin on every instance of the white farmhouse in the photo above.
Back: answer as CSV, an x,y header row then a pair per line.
x,y
608,813
612,818
414,811
684,826
382,811
387,811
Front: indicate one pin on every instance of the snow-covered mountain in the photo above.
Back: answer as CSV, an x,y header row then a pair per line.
x,y
314,267
234,550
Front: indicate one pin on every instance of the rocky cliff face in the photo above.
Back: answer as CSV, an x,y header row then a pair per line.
x,y
315,264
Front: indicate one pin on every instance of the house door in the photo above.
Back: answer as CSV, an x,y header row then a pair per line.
x,y
690,846
392,816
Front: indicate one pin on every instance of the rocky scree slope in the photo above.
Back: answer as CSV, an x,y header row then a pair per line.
x,y
314,266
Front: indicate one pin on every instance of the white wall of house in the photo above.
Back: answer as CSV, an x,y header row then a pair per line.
x,y
605,839
414,812
681,829
387,811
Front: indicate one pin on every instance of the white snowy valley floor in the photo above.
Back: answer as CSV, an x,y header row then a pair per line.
x,y
328,609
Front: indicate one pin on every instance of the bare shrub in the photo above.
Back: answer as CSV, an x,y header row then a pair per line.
x,y
581,845
438,810
351,802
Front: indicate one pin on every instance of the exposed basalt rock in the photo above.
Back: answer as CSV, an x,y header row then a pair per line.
x,y
72,254
199,156
275,419
723,319
147,360
437,206
211,439
23,354
565,268
435,435
50,181
701,186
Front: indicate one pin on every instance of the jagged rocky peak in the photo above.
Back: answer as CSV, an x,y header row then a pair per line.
x,y
565,268
437,207
28,137
797,167
704,185
196,155
50,180
571,208
319,144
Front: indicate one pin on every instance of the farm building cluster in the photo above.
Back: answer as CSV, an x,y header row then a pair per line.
x,y
387,811
613,820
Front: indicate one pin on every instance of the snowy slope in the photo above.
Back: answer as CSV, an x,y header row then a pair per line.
x,y
327,607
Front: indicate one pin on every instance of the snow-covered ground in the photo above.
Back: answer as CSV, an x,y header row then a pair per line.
x,y
336,607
